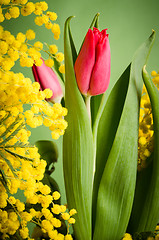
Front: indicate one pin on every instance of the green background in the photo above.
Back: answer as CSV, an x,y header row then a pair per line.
x,y
129,24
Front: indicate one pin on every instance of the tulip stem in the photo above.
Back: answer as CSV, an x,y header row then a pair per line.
x,y
88,106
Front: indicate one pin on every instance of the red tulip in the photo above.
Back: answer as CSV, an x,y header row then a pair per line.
x,y
92,66
46,77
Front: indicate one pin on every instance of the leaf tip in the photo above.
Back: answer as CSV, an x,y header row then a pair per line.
x,y
153,34
144,68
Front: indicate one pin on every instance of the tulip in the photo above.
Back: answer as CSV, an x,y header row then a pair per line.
x,y
92,66
46,77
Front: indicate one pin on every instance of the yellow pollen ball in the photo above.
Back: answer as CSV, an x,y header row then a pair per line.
x,y
59,57
30,34
142,140
65,216
71,221
49,62
53,49
56,195
62,68
14,12
153,73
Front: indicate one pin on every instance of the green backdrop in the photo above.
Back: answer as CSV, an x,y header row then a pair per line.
x,y
129,23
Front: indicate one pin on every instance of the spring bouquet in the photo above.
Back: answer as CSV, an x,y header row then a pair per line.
x,y
110,142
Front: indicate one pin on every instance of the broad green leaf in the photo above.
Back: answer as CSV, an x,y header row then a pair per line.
x,y
141,191
73,49
48,151
78,155
53,184
111,116
150,212
117,185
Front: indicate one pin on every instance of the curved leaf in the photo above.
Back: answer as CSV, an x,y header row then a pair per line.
x,y
117,185
78,153
111,116
48,151
150,213
142,185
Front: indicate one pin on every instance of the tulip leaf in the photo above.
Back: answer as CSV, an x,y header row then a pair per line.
x,y
117,185
56,69
111,115
95,104
93,24
95,21
78,155
142,185
73,49
149,215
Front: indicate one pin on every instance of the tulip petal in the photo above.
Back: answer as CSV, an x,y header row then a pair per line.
x,y
101,71
85,62
36,75
45,76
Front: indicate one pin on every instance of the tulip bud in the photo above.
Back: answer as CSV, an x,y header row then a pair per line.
x,y
92,66
46,77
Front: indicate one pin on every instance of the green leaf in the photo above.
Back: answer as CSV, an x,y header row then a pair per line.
x,y
149,215
78,154
93,24
48,151
142,185
117,185
56,68
53,184
73,49
95,104
109,122
95,21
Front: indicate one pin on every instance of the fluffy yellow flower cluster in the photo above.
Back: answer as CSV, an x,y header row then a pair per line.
x,y
145,141
16,90
21,104
15,7
20,164
14,48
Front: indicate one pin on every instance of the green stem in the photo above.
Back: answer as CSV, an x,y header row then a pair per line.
x,y
88,106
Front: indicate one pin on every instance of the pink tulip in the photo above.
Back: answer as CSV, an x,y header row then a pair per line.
x,y
46,77
92,66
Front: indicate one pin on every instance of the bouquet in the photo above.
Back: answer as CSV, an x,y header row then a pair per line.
x,y
110,142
